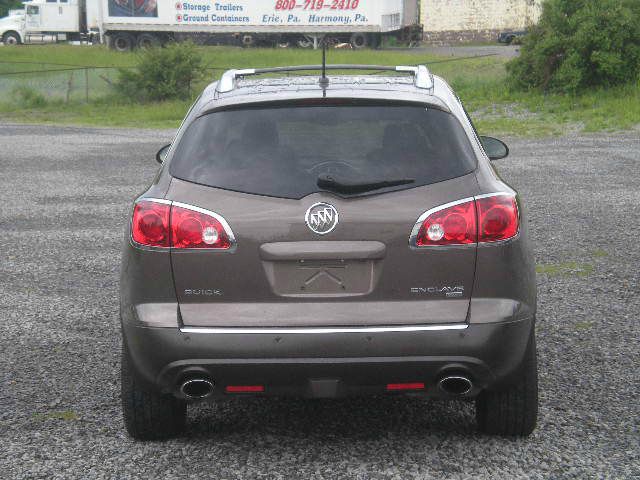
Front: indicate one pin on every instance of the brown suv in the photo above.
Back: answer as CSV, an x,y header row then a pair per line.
x,y
326,238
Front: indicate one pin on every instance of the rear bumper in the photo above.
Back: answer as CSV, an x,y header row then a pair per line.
x,y
325,363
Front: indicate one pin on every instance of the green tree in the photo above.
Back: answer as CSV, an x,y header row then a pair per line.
x,y
6,5
579,44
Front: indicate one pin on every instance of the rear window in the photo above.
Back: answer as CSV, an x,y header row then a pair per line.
x,y
283,152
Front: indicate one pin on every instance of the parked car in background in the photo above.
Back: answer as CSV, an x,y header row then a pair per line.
x,y
512,37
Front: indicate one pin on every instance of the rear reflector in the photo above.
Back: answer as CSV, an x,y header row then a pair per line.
x,y
405,386
244,388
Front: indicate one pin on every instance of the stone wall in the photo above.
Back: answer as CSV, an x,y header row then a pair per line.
x,y
455,21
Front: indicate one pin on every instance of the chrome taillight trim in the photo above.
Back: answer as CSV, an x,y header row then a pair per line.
x,y
416,227
217,216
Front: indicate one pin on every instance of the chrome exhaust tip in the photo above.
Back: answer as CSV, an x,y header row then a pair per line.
x,y
455,385
197,388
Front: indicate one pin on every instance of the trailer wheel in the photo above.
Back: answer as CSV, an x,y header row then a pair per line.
x,y
247,40
305,42
147,40
11,38
122,42
359,40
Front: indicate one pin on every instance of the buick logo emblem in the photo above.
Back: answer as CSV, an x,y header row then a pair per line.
x,y
321,218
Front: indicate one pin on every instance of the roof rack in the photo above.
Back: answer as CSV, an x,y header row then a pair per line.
x,y
423,78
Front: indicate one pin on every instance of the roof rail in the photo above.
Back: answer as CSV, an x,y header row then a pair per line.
x,y
423,78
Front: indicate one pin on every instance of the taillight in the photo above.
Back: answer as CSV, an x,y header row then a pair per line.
x,y
163,224
498,217
482,219
196,229
150,225
451,224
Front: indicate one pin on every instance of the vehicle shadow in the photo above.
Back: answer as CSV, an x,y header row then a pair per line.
x,y
348,419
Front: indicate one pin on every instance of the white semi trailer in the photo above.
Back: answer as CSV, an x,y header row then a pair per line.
x,y
127,24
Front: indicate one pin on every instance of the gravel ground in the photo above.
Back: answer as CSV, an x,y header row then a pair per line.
x,y
65,196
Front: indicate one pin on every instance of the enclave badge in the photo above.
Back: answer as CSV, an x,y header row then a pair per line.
x,y
321,218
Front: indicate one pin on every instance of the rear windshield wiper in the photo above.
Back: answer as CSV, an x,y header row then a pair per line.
x,y
328,182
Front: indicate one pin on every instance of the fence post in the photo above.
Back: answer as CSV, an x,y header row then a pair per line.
x,y
69,85
86,85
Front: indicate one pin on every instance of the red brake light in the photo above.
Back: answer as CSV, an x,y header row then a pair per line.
x,y
244,388
449,225
194,229
150,225
498,218
394,387
159,223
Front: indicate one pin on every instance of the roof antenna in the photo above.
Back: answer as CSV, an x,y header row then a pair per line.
x,y
324,81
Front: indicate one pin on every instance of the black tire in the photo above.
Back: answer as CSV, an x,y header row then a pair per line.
x,y
122,42
149,415
147,40
304,42
11,38
359,40
248,40
512,411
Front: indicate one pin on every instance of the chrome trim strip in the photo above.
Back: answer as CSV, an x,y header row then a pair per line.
x,y
496,194
154,200
328,330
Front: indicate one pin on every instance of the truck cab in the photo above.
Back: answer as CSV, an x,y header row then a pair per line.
x,y
52,16
12,28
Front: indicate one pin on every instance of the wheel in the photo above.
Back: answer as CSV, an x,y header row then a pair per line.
x,y
512,411
148,415
11,38
147,40
376,40
305,42
247,40
122,42
359,40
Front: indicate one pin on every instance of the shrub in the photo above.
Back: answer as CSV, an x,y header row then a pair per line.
x,y
579,44
27,97
6,5
162,73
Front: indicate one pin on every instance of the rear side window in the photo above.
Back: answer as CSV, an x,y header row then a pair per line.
x,y
283,152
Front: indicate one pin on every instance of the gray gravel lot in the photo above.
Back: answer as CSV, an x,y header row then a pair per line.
x,y
65,196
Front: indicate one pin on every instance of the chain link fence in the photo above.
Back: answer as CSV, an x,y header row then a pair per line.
x,y
63,82
55,82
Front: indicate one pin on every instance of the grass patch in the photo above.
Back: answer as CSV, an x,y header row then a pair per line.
x,y
65,415
582,326
565,269
479,82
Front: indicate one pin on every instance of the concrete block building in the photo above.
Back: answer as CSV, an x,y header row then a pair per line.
x,y
455,21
